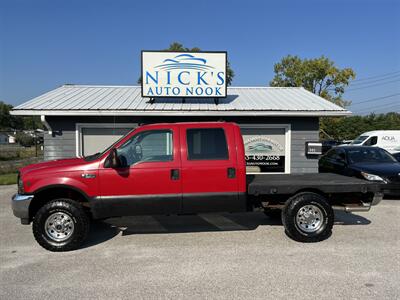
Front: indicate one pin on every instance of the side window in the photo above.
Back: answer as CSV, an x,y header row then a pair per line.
x,y
147,146
371,141
206,143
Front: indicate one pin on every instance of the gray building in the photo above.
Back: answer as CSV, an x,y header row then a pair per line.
x,y
276,122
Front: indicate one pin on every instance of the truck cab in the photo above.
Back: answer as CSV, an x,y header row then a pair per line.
x,y
178,168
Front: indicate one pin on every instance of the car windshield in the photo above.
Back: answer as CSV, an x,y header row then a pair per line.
x,y
375,155
359,140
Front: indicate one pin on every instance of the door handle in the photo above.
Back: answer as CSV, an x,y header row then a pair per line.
x,y
231,173
174,174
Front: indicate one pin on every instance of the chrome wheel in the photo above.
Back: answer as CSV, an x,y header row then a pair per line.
x,y
59,226
309,218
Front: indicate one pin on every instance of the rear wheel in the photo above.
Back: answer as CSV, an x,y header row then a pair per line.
x,y
308,217
60,225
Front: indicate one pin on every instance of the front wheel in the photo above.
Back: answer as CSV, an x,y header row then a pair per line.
x,y
308,217
60,225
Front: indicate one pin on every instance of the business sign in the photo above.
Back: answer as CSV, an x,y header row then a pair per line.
x,y
184,74
264,152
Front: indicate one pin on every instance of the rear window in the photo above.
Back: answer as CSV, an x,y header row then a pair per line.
x,y
206,144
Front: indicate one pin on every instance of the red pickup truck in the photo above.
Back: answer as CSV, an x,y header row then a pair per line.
x,y
177,168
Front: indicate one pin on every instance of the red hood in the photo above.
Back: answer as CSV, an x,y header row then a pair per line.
x,y
58,164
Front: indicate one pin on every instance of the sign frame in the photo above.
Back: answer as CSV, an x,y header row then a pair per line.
x,y
183,97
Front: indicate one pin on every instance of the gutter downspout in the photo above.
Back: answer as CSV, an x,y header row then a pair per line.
x,y
47,125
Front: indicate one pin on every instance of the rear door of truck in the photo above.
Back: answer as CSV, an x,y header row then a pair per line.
x,y
209,168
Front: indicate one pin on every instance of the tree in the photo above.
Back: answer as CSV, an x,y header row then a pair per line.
x,y
175,46
348,128
8,121
319,75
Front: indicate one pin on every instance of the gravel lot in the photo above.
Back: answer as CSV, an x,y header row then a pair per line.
x,y
209,256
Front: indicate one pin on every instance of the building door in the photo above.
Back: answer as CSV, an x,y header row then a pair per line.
x,y
92,138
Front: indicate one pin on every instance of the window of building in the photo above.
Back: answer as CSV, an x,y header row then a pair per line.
x,y
267,148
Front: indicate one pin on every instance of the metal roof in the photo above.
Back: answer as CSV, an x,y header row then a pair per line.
x,y
127,100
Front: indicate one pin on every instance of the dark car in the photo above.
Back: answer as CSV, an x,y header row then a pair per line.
x,y
370,163
328,144
397,156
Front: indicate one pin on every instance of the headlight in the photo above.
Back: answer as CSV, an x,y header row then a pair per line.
x,y
372,177
20,185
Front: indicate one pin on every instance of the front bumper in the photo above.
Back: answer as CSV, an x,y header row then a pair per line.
x,y
20,206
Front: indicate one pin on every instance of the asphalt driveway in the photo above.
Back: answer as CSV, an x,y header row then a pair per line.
x,y
209,256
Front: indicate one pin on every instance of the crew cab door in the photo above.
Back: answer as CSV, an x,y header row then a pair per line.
x,y
149,180
209,169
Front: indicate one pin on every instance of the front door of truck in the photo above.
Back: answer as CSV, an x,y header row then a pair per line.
x,y
209,169
148,180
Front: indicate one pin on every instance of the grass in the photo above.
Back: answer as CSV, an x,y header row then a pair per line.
x,y
13,152
10,178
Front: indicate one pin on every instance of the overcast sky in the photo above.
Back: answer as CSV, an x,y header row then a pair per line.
x,y
44,44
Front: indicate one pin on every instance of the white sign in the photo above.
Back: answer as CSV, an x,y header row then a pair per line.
x,y
183,74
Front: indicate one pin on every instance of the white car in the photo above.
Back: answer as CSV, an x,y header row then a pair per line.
x,y
385,139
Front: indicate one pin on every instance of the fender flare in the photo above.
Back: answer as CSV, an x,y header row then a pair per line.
x,y
64,186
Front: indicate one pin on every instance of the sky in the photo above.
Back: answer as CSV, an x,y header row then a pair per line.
x,y
47,43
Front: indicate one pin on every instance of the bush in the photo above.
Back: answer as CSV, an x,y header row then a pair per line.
x,y
24,139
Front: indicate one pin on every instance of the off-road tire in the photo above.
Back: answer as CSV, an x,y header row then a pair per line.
x,y
78,217
292,209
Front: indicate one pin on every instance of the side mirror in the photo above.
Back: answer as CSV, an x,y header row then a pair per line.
x,y
112,160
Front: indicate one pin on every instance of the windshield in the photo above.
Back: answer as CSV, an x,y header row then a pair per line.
x,y
375,155
99,154
359,140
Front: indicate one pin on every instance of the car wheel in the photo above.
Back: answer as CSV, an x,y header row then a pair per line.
x,y
308,217
60,225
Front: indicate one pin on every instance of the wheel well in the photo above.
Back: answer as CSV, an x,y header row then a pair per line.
x,y
45,196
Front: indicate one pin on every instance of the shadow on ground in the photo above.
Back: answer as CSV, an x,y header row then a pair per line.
x,y
344,218
102,231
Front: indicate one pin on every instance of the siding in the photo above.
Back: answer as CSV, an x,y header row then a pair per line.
x,y
62,143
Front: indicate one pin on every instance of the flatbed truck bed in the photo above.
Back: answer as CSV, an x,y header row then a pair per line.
x,y
286,184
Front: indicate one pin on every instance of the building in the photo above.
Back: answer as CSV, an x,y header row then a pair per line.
x,y
276,122
6,138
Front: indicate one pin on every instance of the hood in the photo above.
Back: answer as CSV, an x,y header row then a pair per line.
x,y
54,165
381,169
